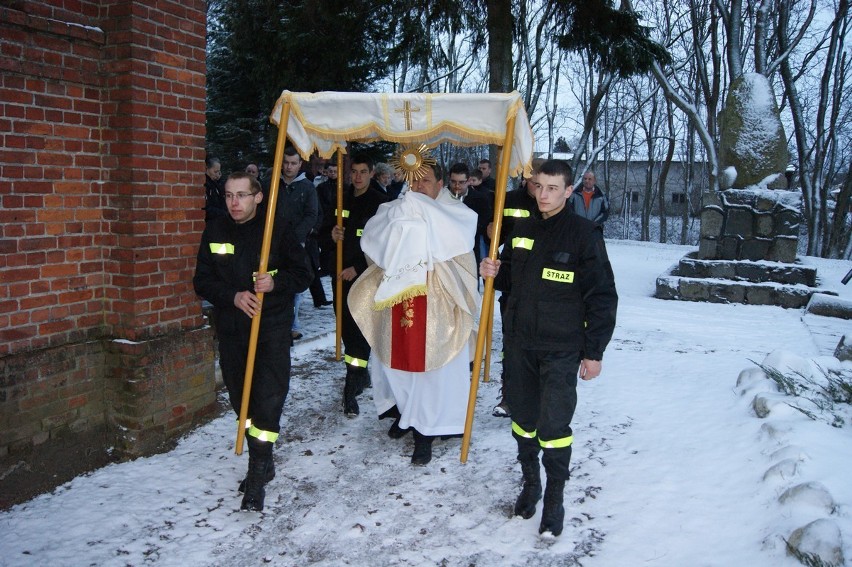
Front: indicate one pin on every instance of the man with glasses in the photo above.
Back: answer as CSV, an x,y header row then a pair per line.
x,y
226,276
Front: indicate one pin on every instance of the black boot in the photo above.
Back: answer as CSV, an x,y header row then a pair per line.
x,y
553,513
260,453
270,474
361,378
397,432
350,393
531,492
422,449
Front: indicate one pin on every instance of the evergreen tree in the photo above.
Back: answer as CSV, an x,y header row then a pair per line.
x,y
258,48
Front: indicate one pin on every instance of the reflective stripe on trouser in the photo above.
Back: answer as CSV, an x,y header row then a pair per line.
x,y
260,434
270,381
357,362
545,444
542,396
355,346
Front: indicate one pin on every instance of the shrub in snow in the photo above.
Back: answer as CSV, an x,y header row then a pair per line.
x,y
825,392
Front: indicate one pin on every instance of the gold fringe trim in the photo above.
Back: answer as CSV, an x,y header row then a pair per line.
x,y
446,131
408,293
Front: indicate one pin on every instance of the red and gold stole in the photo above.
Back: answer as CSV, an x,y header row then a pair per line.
x,y
408,335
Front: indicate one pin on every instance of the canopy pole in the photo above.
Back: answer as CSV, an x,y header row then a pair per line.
x,y
488,294
338,283
486,376
264,260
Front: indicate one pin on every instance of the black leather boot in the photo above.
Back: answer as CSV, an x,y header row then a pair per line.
x,y
270,474
363,380
553,513
350,393
260,454
531,492
422,449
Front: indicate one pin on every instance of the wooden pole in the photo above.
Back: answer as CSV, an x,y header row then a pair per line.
x,y
488,294
264,260
338,283
486,376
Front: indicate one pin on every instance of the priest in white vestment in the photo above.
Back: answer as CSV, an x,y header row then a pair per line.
x,y
417,306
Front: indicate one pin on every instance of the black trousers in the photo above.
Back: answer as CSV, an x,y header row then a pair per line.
x,y
316,289
542,397
354,343
270,380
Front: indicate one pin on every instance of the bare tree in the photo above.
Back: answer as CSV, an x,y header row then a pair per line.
x,y
816,116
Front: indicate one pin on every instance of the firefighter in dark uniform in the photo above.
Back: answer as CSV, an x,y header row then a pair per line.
x,y
360,202
518,204
225,275
559,319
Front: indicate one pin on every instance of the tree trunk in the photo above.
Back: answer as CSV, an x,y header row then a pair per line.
x,y
664,173
498,22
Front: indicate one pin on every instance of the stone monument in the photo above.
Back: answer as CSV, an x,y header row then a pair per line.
x,y
749,228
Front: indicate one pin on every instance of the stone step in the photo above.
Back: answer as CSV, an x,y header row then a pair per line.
x,y
747,270
717,290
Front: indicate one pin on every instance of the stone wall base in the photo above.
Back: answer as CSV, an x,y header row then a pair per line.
x,y
68,409
750,224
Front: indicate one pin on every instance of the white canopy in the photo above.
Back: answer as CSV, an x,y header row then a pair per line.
x,y
325,121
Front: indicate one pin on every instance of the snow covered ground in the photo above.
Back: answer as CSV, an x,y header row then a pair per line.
x,y
672,467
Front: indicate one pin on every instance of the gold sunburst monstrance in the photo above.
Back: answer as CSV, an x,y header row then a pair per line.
x,y
413,161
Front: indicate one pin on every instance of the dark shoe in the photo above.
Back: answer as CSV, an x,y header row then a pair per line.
x,y
422,449
553,513
531,492
296,335
397,432
350,394
270,474
501,410
321,304
254,487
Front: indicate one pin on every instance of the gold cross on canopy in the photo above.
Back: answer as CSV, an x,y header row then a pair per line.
x,y
406,108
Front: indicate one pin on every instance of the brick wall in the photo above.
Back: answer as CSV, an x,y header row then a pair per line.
x,y
102,107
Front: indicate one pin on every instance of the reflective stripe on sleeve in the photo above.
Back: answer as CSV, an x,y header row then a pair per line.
x,y
519,431
516,213
262,435
520,242
556,443
270,272
352,361
344,215
221,248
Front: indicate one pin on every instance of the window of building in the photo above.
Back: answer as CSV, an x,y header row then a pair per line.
x,y
678,198
634,196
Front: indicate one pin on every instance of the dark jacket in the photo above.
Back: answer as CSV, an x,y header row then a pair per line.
x,y
228,257
562,290
356,212
519,204
214,199
482,204
297,206
598,210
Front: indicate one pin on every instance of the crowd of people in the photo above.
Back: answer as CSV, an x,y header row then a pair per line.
x,y
412,258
